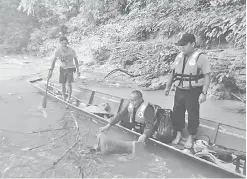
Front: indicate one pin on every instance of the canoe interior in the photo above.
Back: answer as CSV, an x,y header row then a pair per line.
x,y
219,134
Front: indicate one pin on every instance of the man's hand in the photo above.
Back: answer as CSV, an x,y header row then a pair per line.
x,y
202,98
50,74
167,91
105,128
78,74
142,138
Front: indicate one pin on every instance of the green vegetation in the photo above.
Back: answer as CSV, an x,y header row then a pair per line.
x,y
137,35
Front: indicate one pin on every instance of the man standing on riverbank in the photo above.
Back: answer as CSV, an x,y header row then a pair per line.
x,y
137,116
191,76
67,56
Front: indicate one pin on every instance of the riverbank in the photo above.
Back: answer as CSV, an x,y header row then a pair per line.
x,y
19,67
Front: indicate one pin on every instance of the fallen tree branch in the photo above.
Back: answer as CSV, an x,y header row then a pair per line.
x,y
239,98
34,132
60,158
65,153
48,130
28,149
77,126
118,69
5,130
129,4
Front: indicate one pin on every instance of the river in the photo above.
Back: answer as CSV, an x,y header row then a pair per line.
x,y
26,154
20,114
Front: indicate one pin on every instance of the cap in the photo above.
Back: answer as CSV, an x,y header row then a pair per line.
x,y
186,38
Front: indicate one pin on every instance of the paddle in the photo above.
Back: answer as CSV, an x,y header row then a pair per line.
x,y
45,97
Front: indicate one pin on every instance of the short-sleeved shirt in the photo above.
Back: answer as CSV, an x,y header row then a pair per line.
x,y
66,57
204,64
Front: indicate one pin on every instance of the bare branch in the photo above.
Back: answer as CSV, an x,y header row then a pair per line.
x,y
48,130
241,99
26,149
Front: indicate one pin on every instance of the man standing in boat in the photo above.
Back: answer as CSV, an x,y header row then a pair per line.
x,y
67,56
137,116
191,76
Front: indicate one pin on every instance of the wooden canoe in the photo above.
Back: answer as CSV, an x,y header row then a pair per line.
x,y
219,134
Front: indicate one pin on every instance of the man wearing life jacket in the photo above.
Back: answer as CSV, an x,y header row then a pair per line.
x,y
136,115
191,76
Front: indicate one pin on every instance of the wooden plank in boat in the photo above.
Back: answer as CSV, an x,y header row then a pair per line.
x,y
83,95
100,98
232,138
207,128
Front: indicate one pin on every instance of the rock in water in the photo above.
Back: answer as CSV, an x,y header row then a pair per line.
x,y
110,146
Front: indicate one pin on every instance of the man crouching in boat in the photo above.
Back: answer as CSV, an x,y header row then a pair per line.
x,y
137,116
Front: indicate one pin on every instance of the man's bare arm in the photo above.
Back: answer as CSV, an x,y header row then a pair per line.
x,y
207,80
53,63
76,64
169,82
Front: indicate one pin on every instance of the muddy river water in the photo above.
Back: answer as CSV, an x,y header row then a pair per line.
x,y
31,155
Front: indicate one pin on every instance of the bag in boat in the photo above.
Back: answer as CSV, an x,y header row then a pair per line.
x,y
163,128
110,146
206,156
202,143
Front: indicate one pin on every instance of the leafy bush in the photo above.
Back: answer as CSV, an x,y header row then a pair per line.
x,y
15,27
215,22
101,55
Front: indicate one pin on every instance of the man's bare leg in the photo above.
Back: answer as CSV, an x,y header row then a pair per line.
x,y
64,91
69,91
178,137
189,142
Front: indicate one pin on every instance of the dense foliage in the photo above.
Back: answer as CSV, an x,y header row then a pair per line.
x,y
135,34
15,27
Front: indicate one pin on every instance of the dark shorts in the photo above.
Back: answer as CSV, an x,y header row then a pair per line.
x,y
66,75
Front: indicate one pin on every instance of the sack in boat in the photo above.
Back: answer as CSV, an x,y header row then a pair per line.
x,y
206,156
200,145
222,153
163,128
110,146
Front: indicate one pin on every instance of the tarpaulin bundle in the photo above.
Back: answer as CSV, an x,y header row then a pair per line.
x,y
110,146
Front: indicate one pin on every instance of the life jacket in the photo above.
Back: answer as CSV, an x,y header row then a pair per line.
x,y
163,127
187,73
138,120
